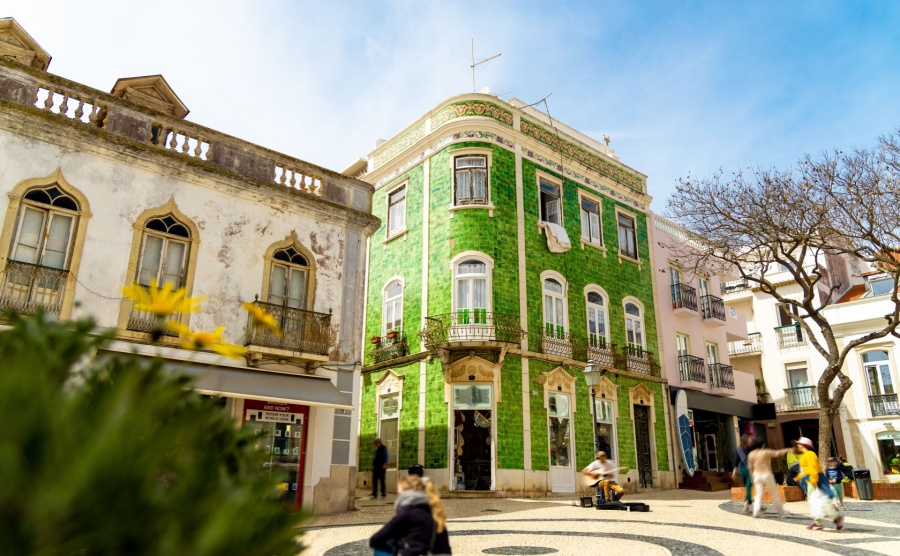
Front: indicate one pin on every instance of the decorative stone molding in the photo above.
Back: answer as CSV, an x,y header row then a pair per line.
x,y
151,91
606,390
558,381
471,369
641,395
389,383
17,44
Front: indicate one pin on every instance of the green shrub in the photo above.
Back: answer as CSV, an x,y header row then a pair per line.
x,y
103,454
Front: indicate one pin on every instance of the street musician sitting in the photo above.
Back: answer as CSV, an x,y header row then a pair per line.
x,y
602,473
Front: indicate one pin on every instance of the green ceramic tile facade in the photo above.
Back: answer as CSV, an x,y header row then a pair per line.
x,y
453,232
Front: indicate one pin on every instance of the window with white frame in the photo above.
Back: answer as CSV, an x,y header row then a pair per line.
x,y
877,366
881,286
470,178
472,290
627,236
554,308
164,252
47,220
634,326
389,427
712,353
590,222
392,313
596,319
604,413
289,278
550,203
396,211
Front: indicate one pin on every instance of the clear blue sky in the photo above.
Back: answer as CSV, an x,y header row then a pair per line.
x,y
680,87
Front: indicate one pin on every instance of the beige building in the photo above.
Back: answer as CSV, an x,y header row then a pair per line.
x,y
99,190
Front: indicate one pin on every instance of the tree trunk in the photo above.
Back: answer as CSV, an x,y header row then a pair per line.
x,y
826,421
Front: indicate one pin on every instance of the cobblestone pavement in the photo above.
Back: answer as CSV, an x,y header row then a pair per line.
x,y
679,522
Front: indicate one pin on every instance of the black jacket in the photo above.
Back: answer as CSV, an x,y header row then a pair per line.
x,y
411,529
380,457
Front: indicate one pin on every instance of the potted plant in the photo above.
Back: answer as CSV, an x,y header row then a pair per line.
x,y
375,340
392,335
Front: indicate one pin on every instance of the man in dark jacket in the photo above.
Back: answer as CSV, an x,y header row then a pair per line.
x,y
379,468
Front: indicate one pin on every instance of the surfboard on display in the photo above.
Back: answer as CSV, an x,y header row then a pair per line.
x,y
684,429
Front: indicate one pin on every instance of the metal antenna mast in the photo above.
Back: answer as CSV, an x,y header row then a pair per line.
x,y
476,64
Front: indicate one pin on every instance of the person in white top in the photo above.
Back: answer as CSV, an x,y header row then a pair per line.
x,y
602,473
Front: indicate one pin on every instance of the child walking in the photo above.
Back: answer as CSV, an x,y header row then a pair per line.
x,y
835,475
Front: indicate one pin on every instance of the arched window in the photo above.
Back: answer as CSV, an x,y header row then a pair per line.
x,y
596,319
164,252
877,365
289,278
634,325
392,314
472,291
47,221
43,232
554,308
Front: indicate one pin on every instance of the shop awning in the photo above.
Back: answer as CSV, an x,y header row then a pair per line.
x,y
717,404
255,384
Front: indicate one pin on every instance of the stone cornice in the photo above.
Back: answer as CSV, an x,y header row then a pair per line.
x,y
510,122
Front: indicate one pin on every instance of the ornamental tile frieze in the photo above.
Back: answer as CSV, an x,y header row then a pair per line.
x,y
574,151
411,138
471,108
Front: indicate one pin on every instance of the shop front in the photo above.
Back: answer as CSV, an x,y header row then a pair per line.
x,y
281,432
472,437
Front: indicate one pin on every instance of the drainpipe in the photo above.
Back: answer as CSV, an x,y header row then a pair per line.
x,y
672,437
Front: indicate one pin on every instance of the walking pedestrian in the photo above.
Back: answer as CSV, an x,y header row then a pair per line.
x,y
820,503
742,470
760,461
846,468
419,526
379,468
835,475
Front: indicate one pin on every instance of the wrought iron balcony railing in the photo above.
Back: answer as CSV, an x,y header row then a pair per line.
x,y
599,352
721,376
712,307
884,404
476,325
751,346
802,397
391,346
142,321
27,287
301,331
558,342
684,297
790,335
636,359
734,286
691,369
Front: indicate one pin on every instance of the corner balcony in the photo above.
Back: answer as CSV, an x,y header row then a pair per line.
x,y
476,330
800,399
691,371
27,288
389,347
884,405
684,299
721,379
744,348
790,336
712,309
305,335
636,359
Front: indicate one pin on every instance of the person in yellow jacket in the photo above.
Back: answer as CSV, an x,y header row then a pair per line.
x,y
818,493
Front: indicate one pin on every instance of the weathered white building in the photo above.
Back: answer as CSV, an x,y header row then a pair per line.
x,y
99,190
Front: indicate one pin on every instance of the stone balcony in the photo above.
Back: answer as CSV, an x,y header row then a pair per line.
x,y
742,348
121,121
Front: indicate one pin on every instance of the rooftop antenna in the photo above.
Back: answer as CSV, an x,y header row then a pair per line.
x,y
478,63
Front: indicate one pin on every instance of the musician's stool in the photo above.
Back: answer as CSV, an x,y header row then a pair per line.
x,y
587,501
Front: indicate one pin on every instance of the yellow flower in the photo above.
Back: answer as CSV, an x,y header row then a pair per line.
x,y
161,301
202,339
261,318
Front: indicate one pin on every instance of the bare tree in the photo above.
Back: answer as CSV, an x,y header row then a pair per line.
x,y
806,220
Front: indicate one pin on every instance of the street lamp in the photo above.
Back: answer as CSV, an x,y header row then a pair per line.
x,y
592,376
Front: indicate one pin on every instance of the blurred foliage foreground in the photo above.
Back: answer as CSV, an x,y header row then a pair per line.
x,y
103,454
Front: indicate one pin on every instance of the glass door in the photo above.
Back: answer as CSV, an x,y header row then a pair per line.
x,y
280,432
562,472
472,437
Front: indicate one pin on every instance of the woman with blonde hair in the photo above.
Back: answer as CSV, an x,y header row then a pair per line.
x,y
420,525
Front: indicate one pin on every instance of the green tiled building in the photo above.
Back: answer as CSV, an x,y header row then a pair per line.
x,y
513,251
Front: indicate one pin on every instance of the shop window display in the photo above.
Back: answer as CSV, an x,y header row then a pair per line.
x,y
280,433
